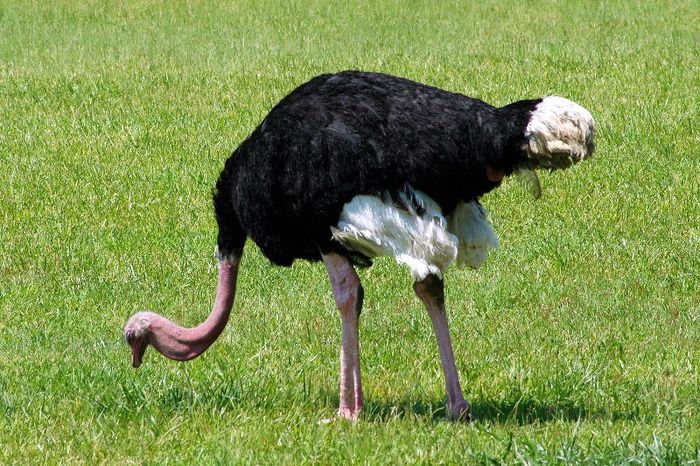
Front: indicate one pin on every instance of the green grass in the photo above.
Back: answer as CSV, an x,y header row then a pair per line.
x,y
578,341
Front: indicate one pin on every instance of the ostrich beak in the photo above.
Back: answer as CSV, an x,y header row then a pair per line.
x,y
138,348
137,351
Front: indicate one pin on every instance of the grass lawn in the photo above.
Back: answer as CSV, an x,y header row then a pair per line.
x,y
578,341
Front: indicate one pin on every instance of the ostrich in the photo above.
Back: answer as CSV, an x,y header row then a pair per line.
x,y
354,165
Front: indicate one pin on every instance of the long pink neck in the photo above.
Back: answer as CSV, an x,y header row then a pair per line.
x,y
182,343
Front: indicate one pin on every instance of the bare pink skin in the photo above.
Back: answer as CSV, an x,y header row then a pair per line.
x,y
180,343
348,297
494,175
431,291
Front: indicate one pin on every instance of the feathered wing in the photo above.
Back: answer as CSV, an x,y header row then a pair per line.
x,y
415,232
416,237
476,236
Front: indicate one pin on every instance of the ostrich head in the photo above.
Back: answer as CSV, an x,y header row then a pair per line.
x,y
559,134
181,343
136,333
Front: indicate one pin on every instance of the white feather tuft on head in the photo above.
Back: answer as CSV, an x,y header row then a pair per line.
x,y
560,133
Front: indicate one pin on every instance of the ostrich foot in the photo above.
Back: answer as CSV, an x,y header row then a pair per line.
x,y
459,412
342,415
349,414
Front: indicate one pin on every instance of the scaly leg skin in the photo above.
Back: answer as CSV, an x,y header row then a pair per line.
x,y
348,294
430,290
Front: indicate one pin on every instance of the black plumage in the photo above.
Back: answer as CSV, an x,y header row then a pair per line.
x,y
341,135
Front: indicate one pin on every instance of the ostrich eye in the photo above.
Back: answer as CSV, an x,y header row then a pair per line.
x,y
130,337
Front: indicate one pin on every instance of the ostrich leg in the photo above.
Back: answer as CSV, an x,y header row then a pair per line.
x,y
348,294
431,291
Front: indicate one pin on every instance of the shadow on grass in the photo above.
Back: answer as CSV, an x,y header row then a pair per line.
x,y
524,411
520,410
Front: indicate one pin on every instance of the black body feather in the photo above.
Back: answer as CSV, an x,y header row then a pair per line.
x,y
352,133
